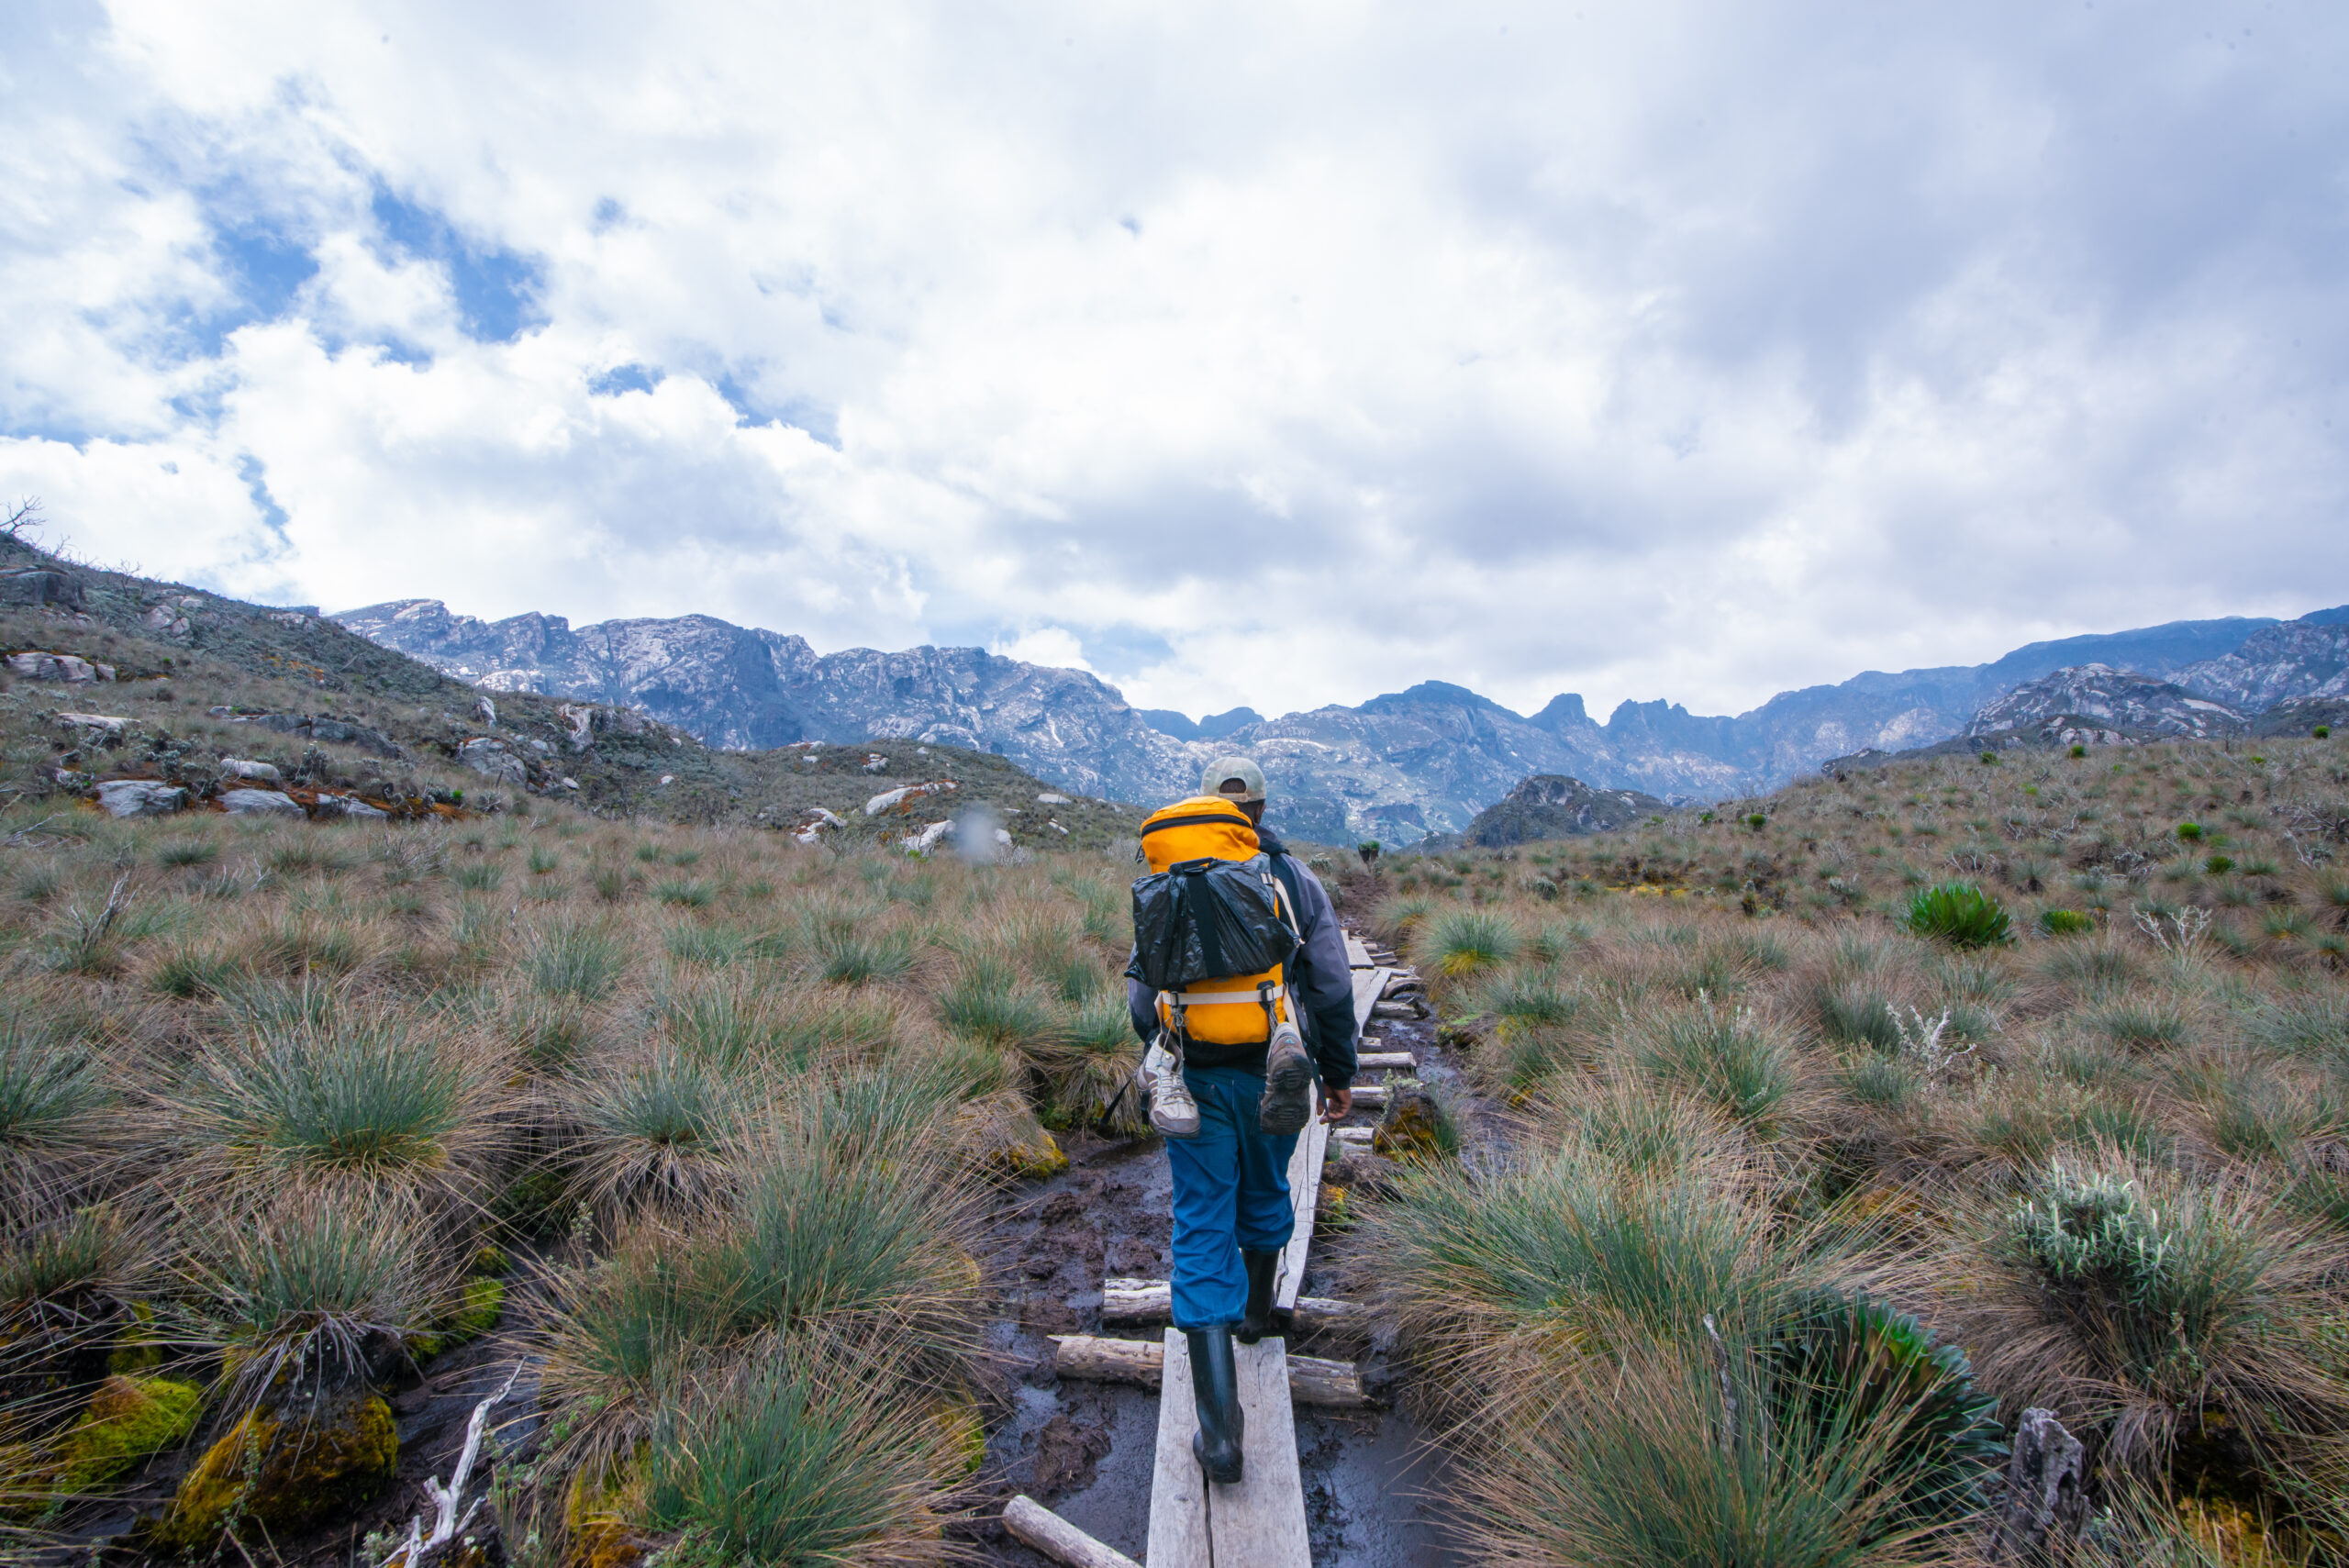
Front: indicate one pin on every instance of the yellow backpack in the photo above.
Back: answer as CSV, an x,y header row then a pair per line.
x,y
1214,929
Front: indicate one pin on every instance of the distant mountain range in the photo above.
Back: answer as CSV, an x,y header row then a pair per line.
x,y
1425,759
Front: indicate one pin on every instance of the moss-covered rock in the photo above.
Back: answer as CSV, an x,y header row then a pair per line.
x,y
1414,1126
130,1418
283,1470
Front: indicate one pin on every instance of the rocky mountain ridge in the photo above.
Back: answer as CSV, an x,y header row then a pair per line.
x,y
1420,760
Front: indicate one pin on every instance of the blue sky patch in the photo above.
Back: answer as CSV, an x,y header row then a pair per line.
x,y
496,289
255,474
820,421
626,378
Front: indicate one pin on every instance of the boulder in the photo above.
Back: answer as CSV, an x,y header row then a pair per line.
x,y
487,711
65,667
282,1470
902,799
492,760
352,808
1052,797
259,802
111,723
926,840
39,586
140,797
259,773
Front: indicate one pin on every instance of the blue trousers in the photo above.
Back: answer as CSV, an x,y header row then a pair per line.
x,y
1230,1191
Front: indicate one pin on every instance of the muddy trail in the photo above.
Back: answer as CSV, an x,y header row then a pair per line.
x,y
1374,1485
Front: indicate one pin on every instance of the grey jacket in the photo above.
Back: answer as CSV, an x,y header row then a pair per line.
x,y
1320,979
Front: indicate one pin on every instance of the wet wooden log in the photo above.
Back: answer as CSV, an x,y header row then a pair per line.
x,y
1152,1301
1312,1380
1030,1521
1367,1059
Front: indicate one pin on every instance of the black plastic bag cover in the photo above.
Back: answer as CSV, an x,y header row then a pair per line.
x,y
1205,920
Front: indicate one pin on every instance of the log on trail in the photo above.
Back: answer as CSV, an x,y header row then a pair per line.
x,y
1333,1384
1031,1522
1152,1301
1369,1059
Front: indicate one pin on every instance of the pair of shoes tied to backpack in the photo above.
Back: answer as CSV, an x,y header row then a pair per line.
x,y
1287,1105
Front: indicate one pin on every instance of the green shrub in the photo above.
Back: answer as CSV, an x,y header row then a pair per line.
x,y
1958,913
2064,922
2189,831
2219,865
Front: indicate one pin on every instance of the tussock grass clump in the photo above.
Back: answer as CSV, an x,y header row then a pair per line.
x,y
817,1455
1728,1056
311,1289
381,1103
55,1095
1466,942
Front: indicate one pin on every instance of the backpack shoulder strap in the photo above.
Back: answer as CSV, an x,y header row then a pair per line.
x,y
1285,867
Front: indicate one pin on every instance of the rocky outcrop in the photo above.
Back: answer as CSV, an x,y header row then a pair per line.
x,y
2292,662
1550,807
140,797
2118,705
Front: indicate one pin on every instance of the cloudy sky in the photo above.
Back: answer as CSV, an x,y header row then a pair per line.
x,y
1270,354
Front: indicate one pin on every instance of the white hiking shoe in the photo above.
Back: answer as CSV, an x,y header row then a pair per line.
x,y
1171,1110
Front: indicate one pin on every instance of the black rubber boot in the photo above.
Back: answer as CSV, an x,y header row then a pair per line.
x,y
1215,1388
1263,1267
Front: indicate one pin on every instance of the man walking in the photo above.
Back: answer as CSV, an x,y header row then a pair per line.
x,y
1233,1213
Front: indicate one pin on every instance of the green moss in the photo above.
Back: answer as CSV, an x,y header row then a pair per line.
x,y
128,1419
485,1305
138,1350
279,1473
492,1262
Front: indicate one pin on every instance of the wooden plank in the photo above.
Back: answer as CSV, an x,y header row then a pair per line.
x,y
1369,985
1178,1491
1304,1196
1357,955
1261,1521
1030,1521
1313,1380
1355,1137
1152,1301
1367,1060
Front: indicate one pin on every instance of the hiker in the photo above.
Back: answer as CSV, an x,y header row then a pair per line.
x,y
1235,1053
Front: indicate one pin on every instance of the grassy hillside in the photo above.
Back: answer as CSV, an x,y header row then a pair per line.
x,y
1881,1161
181,655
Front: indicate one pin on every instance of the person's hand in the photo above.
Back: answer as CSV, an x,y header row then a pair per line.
x,y
1337,1105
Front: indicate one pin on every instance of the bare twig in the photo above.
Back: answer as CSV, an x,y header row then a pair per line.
x,y
446,1524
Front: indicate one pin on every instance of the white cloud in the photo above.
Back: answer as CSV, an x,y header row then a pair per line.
x,y
1277,356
